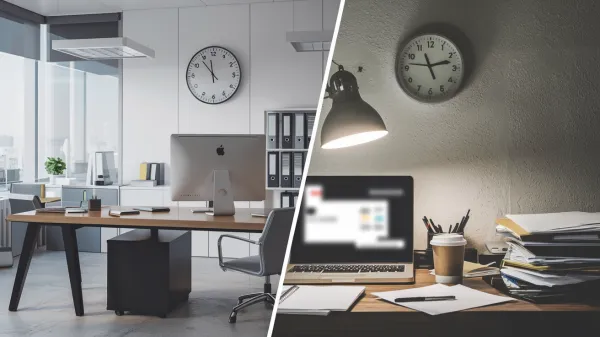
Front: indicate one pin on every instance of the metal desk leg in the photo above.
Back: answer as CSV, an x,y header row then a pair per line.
x,y
24,261
72,253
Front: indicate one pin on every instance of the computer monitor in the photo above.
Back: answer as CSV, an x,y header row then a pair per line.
x,y
355,219
218,168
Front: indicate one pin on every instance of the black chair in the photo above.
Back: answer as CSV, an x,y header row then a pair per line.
x,y
25,193
272,245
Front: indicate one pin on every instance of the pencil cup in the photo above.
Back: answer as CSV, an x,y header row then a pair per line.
x,y
448,257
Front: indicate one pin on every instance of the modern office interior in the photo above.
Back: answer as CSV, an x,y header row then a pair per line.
x,y
462,117
94,96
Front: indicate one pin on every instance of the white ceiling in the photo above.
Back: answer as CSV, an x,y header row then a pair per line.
x,y
71,7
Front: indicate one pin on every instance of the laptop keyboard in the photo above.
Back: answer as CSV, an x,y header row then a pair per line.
x,y
348,268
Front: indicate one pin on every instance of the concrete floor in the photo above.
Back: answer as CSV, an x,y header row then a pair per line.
x,y
46,307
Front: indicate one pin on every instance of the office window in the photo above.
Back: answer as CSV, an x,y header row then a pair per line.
x,y
79,114
17,118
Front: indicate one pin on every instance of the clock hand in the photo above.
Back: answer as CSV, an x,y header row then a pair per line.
x,y
213,71
419,64
429,65
212,74
439,63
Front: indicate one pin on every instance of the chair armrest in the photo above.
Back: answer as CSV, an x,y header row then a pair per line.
x,y
231,237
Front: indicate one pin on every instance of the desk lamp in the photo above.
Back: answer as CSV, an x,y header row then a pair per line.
x,y
351,121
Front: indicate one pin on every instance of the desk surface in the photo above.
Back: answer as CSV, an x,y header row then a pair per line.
x,y
373,317
178,217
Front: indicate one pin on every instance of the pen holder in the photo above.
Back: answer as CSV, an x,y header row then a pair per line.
x,y
94,205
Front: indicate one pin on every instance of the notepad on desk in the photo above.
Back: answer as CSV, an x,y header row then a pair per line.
x,y
466,298
319,300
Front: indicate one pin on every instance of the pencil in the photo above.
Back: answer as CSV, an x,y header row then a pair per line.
x,y
429,230
450,229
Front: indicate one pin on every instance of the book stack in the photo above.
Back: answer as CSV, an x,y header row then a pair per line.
x,y
552,257
151,174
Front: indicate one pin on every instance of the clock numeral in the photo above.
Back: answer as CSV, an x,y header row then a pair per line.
x,y
223,55
213,53
411,56
193,75
231,64
430,44
454,67
233,75
418,88
213,96
204,57
430,92
197,65
450,80
419,47
203,93
441,88
231,86
223,92
443,43
196,86
410,80
451,54
406,68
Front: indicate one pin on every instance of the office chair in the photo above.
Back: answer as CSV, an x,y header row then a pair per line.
x,y
272,245
20,203
18,229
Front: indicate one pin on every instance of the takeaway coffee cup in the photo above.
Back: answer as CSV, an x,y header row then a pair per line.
x,y
448,257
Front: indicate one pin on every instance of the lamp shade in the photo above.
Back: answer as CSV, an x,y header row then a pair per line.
x,y
351,121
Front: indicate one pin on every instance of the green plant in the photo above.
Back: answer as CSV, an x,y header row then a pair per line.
x,y
55,166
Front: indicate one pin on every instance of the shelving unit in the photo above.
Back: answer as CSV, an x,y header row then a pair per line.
x,y
308,116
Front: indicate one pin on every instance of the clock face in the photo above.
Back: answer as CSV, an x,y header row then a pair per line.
x,y
213,75
430,68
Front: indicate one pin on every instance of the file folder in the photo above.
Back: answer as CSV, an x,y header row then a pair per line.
x,y
273,170
272,131
299,130
286,131
286,169
295,197
310,123
285,199
298,168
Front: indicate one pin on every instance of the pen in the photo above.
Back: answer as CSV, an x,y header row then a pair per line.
x,y
456,227
424,299
429,230
439,230
450,229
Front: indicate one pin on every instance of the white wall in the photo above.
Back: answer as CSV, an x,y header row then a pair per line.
x,y
156,100
522,135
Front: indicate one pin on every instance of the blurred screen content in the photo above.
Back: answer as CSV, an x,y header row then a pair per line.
x,y
364,223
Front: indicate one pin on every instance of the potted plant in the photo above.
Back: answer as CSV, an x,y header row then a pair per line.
x,y
55,167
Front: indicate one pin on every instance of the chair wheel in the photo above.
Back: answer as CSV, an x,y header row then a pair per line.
x,y
119,313
232,317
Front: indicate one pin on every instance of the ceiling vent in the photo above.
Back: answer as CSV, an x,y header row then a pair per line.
x,y
103,48
310,40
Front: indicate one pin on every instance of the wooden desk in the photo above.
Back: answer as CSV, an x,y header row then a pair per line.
x,y
373,317
177,219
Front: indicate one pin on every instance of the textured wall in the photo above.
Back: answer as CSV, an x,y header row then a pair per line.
x,y
521,136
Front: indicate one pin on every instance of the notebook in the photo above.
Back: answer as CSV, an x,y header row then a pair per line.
x,y
319,300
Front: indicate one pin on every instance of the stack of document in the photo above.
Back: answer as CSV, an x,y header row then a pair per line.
x,y
551,257
466,298
318,300
471,269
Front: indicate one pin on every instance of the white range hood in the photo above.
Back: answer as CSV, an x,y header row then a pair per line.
x,y
103,48
306,41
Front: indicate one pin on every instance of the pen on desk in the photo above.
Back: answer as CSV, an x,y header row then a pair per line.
x,y
433,225
450,229
429,230
424,299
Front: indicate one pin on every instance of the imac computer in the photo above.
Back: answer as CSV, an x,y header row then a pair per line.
x,y
218,168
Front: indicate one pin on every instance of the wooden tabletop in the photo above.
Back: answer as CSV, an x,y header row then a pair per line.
x,y
178,217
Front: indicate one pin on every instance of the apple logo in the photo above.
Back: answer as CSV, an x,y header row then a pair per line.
x,y
221,150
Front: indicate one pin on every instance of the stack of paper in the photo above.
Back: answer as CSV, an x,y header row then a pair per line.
x,y
319,300
551,257
471,269
466,298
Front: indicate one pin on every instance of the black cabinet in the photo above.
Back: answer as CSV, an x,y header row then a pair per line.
x,y
88,238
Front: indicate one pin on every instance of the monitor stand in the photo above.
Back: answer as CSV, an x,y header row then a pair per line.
x,y
222,194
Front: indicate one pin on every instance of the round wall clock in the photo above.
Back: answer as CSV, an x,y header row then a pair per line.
x,y
213,75
430,68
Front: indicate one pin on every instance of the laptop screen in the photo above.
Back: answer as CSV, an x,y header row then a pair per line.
x,y
355,219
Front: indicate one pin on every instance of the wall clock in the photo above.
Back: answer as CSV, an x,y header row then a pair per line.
x,y
213,75
430,68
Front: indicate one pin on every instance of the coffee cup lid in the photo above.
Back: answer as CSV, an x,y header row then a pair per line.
x,y
448,239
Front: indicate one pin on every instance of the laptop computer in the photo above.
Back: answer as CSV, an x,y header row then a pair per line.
x,y
354,229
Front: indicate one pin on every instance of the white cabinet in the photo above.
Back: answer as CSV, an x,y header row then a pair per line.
x,y
231,247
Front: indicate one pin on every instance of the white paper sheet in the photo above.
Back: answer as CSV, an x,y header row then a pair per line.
x,y
466,298
557,222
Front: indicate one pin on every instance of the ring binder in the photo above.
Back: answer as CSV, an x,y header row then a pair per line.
x,y
286,132
273,167
299,130
298,168
286,169
272,131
